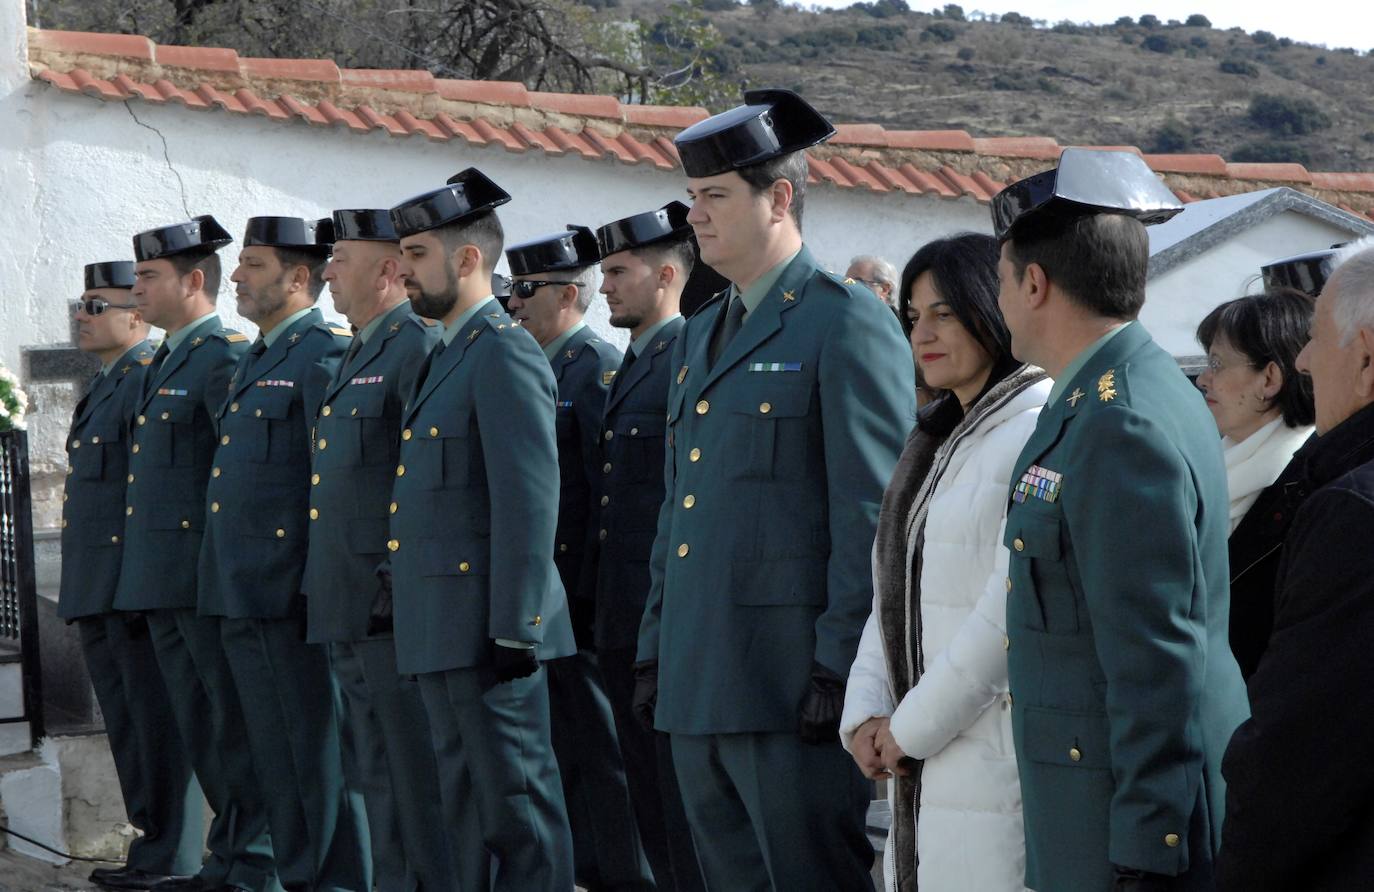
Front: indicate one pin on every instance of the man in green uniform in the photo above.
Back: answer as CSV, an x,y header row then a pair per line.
x,y
477,599
349,608
792,396
253,557
645,262
1125,689
172,442
554,282
155,775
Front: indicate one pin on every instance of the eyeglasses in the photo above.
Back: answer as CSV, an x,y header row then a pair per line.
x,y
94,306
525,288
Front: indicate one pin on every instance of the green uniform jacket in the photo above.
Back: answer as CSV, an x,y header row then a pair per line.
x,y
632,490
93,500
351,480
583,369
173,442
1125,690
472,534
776,462
258,501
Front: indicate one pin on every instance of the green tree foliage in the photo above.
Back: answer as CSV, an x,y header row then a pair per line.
x,y
940,31
1159,43
1276,152
1287,115
1171,138
1198,21
954,11
1240,67
1149,21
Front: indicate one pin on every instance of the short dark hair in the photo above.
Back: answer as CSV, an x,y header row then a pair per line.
x,y
205,261
678,251
1099,260
313,261
1269,327
963,269
791,167
483,231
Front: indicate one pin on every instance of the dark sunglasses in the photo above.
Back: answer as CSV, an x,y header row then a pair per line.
x,y
524,289
94,306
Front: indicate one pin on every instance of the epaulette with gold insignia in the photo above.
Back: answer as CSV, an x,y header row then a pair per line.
x,y
147,360
341,332
607,378
235,337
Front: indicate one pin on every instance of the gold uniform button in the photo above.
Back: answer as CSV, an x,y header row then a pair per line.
x,y
95,440
1006,642
128,512
765,408
353,411
1171,840
703,407
1075,754
64,523
634,431
605,500
393,545
67,495
142,420
689,500
76,444
135,449
392,508
233,407
434,432
1018,543
606,468
257,413
407,434
400,470
215,472
464,567
694,455
323,444
1008,583
165,415
281,534
314,513
683,549
537,620
214,507
327,411
610,435
224,440
114,540
562,548
129,479
314,479
185,524
602,535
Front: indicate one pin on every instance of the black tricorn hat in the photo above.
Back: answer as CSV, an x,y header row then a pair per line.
x,y
294,233
110,274
468,192
1305,272
769,124
364,226
669,221
1087,181
201,234
574,249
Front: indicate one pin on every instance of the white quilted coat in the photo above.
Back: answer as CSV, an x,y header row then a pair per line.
x,y
957,718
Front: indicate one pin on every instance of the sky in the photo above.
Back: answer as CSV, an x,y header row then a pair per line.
x,y
1336,24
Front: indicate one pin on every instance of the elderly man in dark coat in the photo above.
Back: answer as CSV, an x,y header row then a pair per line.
x,y
1300,783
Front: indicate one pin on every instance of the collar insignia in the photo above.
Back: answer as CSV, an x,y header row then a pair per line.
x,y
1106,386
1074,397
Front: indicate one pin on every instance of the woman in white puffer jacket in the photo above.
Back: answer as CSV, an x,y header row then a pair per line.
x,y
927,703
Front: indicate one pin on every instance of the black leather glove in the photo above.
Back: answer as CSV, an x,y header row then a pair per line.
x,y
136,625
379,620
511,663
822,706
1127,879
645,700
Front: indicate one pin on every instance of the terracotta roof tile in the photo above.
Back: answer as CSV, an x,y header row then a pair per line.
x,y
942,163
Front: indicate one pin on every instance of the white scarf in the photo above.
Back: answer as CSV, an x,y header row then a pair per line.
x,y
1255,462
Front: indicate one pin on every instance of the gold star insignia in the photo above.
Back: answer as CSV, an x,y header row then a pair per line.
x,y
788,296
1075,397
569,354
395,326
197,341
295,336
1106,386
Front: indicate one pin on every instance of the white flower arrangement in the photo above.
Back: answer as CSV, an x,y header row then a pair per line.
x,y
13,401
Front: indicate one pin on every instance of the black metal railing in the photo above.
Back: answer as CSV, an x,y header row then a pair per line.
x,y
18,588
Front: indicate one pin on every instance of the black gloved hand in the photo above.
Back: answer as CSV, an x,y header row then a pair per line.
x,y
822,706
1128,879
645,700
379,621
511,663
136,625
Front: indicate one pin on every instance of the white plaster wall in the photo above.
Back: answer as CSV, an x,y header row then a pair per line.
x,y
1176,301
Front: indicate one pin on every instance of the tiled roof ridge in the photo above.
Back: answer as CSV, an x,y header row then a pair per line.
x,y
945,163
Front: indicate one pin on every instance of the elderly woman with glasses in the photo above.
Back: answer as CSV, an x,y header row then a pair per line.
x,y
1263,409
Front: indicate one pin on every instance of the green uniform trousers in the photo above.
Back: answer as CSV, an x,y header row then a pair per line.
x,y
389,759
653,785
771,813
154,770
607,852
496,766
212,727
291,704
